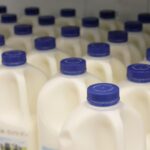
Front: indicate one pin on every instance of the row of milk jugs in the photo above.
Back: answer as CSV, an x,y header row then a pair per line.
x,y
43,102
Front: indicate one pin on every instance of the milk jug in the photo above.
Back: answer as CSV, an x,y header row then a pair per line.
x,y
3,9
7,24
145,19
70,41
46,56
135,93
102,65
3,46
103,123
90,30
59,97
45,27
22,38
136,36
67,17
122,49
20,84
109,21
30,16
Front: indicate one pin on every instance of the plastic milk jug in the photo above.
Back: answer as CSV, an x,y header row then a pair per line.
x,y
22,38
7,24
45,27
109,20
70,41
102,65
20,84
135,93
122,49
103,123
46,56
30,16
59,97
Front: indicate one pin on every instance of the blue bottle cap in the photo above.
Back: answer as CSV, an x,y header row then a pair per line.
x,y
13,58
23,29
90,22
2,40
70,31
103,94
68,12
107,14
45,43
133,26
148,54
46,20
8,18
139,73
73,66
117,36
98,49
3,9
32,11
144,17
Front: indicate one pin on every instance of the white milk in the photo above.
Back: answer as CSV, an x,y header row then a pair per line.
x,y
30,16
102,65
136,36
135,92
109,21
46,56
59,97
20,84
103,123
45,27
70,41
67,18
121,49
7,24
22,38
90,30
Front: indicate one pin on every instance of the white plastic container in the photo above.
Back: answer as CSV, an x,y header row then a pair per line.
x,y
103,123
145,19
109,20
7,24
135,93
30,16
136,36
70,41
102,65
20,84
59,97
45,27
22,38
121,49
90,30
46,56
67,18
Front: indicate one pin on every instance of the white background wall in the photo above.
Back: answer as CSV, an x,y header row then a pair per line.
x,y
127,8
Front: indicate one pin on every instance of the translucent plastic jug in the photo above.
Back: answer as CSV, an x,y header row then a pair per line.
x,y
103,123
22,38
121,49
135,93
30,16
102,65
59,97
46,56
20,84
